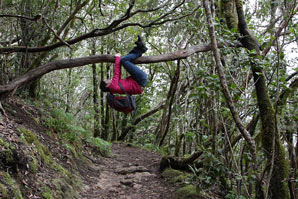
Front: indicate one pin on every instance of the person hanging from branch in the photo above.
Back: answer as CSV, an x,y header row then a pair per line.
x,y
132,84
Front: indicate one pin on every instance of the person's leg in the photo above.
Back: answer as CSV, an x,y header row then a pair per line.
x,y
137,74
131,56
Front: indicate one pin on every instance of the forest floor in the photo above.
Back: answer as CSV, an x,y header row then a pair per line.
x,y
131,173
43,167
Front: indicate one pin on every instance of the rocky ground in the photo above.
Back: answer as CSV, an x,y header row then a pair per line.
x,y
131,173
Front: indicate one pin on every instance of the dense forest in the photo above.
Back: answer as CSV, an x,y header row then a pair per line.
x,y
221,100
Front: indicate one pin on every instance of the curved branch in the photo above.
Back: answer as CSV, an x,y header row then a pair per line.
x,y
71,63
174,163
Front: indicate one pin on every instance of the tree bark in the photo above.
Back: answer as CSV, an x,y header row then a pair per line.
x,y
71,63
164,131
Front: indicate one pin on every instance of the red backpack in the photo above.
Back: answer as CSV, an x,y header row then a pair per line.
x,y
125,104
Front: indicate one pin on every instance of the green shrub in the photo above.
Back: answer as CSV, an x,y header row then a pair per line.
x,y
101,146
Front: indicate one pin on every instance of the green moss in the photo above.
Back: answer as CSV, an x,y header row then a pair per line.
x,y
180,178
66,189
280,172
29,136
227,10
171,173
3,191
36,120
12,183
45,154
33,166
72,149
17,192
174,176
7,178
187,192
8,152
47,193
49,133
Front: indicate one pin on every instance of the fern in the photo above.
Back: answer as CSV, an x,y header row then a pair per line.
x,y
101,146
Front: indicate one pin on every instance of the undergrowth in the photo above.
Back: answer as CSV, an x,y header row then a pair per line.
x,y
73,135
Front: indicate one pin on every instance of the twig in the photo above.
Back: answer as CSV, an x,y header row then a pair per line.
x,y
37,17
57,36
2,110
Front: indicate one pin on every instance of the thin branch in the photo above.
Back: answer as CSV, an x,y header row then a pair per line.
x,y
292,75
139,119
37,17
284,24
56,35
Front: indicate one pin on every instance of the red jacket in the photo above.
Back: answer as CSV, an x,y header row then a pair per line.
x,y
129,84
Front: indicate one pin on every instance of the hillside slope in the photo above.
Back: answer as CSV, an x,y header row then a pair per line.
x,y
37,162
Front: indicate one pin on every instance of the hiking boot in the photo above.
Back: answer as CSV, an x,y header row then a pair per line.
x,y
140,44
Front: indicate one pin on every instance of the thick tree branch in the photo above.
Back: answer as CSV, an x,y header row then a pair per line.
x,y
71,63
183,164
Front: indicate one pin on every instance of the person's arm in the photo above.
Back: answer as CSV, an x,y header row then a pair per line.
x,y
117,75
117,70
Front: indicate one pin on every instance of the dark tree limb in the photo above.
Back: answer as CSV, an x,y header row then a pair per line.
x,y
71,63
179,164
139,119
56,35
37,17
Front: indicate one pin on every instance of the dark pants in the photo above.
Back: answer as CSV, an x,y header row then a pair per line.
x,y
137,74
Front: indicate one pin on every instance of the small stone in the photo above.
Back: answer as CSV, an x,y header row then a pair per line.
x,y
127,182
137,186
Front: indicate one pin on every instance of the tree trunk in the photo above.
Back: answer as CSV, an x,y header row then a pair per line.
x,y
105,133
165,122
277,188
95,96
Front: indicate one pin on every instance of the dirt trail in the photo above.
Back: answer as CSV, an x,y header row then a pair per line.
x,y
131,173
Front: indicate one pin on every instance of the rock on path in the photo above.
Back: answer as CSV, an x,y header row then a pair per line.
x,y
132,173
